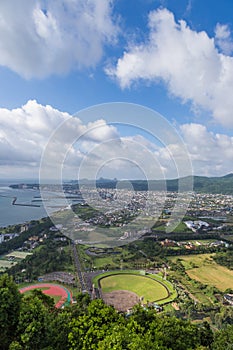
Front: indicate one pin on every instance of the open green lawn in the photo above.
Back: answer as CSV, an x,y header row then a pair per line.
x,y
6,264
101,262
202,241
180,228
149,288
207,271
18,254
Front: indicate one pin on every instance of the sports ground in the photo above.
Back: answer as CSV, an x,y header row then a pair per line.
x,y
148,288
60,293
123,290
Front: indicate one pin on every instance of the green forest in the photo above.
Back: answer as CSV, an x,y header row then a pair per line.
x,y
31,322
225,258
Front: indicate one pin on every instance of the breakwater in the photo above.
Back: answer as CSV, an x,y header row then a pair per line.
x,y
24,204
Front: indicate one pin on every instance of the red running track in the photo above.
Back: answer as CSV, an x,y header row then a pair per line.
x,y
53,289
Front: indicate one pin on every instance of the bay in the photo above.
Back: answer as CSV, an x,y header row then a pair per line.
x,y
15,214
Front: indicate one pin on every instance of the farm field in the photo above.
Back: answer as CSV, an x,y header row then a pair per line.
x,y
205,270
150,289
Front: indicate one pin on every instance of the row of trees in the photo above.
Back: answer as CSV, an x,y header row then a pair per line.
x,y
32,322
225,258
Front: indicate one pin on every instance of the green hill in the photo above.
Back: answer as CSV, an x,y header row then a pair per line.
x,y
201,184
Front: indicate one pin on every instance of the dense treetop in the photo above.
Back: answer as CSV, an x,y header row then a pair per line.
x,y
32,322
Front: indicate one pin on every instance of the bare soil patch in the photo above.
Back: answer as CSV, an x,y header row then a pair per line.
x,y
122,300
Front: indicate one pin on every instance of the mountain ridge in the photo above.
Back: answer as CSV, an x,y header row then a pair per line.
x,y
202,184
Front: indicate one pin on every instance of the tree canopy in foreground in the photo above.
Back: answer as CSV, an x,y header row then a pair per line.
x,y
32,322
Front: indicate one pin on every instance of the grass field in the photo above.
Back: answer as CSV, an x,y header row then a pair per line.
x,y
18,255
5,264
149,288
207,271
101,262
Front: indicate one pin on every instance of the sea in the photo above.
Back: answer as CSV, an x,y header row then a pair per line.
x,y
15,214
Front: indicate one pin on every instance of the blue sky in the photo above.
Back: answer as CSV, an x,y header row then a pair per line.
x,y
174,57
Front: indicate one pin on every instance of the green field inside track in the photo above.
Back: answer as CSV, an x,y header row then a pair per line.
x,y
148,288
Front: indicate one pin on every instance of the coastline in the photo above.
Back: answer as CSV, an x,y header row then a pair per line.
x,y
16,207
21,205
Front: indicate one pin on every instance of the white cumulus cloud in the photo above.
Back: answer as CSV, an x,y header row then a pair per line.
x,y
191,64
26,131
39,38
223,38
210,153
68,144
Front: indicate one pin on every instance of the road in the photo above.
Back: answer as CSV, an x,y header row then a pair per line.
x,y
78,268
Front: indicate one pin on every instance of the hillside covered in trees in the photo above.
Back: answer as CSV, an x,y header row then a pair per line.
x,y
201,184
32,322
